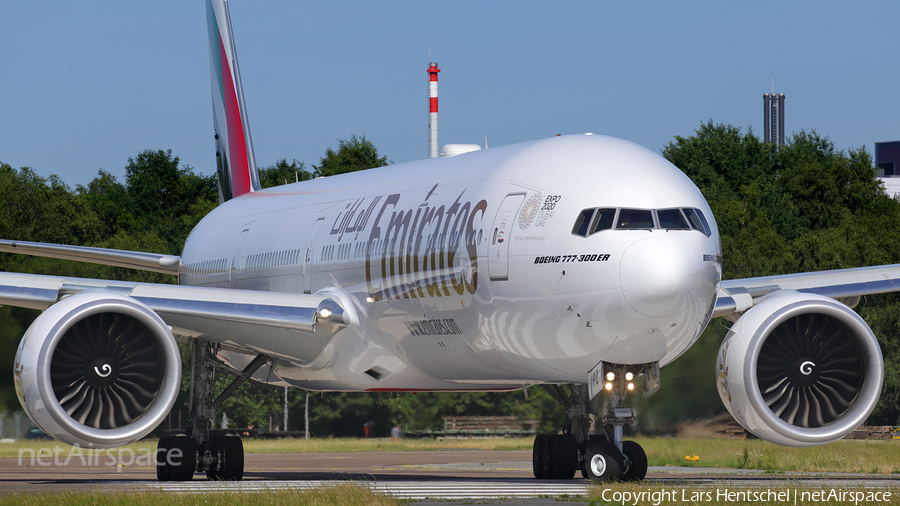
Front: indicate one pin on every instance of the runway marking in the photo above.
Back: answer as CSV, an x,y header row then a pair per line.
x,y
397,489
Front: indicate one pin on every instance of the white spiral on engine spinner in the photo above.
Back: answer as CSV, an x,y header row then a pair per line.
x,y
806,368
107,369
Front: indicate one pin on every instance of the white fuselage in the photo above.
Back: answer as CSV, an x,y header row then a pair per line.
x,y
464,273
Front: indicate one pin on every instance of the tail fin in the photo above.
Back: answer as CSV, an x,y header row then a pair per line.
x,y
234,147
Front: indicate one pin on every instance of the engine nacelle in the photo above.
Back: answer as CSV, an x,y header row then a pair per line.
x,y
98,369
800,369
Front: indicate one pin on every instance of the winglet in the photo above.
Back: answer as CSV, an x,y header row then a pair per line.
x,y
234,148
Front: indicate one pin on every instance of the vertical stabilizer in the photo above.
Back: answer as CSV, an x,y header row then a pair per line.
x,y
234,148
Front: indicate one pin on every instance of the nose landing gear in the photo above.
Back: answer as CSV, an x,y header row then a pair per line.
x,y
598,456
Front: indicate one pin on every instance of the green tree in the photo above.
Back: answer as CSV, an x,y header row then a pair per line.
x,y
109,200
167,198
426,410
33,208
283,173
352,155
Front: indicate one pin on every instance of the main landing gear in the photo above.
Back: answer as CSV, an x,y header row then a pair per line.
x,y
203,449
598,456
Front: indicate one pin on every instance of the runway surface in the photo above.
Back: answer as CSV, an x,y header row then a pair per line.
x,y
499,476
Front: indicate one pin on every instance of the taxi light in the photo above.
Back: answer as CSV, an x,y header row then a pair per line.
x,y
608,386
629,376
631,386
610,376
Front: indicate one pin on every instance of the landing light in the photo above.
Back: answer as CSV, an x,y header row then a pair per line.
x,y
609,386
324,312
610,376
631,386
629,376
370,300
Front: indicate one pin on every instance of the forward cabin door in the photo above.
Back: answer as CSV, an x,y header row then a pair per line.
x,y
501,231
311,256
235,262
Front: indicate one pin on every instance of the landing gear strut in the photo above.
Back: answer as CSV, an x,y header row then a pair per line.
x,y
600,456
201,449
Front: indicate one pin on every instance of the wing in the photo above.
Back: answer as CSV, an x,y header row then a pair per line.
x,y
845,285
166,264
294,326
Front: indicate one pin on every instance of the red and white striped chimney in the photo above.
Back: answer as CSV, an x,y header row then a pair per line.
x,y
433,149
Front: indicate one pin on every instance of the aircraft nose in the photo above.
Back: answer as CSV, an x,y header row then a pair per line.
x,y
660,276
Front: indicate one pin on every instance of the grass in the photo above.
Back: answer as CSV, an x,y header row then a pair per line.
x,y
387,445
299,445
342,494
845,456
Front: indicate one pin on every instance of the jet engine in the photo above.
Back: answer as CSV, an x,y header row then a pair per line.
x,y
98,369
800,369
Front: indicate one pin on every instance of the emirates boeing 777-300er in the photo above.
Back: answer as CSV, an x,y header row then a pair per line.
x,y
484,271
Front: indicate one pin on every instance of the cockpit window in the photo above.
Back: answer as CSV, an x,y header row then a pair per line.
x,y
698,221
672,219
593,220
696,224
603,220
582,223
705,223
631,219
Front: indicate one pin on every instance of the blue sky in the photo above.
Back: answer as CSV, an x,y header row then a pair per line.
x,y
86,85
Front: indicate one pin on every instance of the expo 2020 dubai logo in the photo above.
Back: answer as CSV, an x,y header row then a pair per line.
x,y
529,210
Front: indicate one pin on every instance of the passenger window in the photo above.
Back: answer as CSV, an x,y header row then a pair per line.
x,y
582,222
634,219
671,219
603,220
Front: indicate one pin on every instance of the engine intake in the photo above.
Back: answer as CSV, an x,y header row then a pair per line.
x,y
98,369
800,369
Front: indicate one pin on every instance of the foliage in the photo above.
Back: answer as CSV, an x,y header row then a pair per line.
x,y
357,153
15,322
283,173
167,199
43,209
342,414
